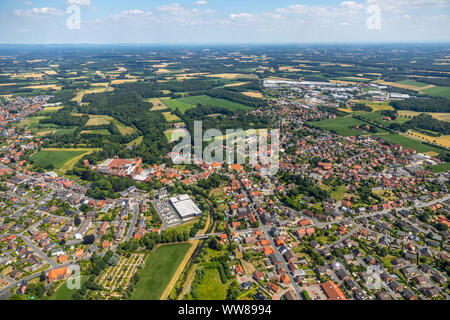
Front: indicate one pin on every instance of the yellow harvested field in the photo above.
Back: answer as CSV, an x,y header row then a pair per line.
x,y
237,84
100,84
437,116
157,104
54,65
345,110
443,141
121,81
253,94
403,86
230,76
431,153
81,93
343,82
44,133
7,84
50,109
187,76
99,120
45,87
50,72
124,130
171,117
162,70
27,75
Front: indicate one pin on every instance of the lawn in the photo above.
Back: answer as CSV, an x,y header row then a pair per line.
x,y
212,287
64,293
209,101
177,104
409,143
159,269
340,125
339,193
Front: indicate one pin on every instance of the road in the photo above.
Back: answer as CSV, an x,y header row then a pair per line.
x,y
272,242
133,222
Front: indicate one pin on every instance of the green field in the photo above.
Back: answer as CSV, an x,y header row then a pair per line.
x,y
55,158
443,167
409,143
438,92
174,104
413,83
212,287
159,269
209,101
339,193
340,125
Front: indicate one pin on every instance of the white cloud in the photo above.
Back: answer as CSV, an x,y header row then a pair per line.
x,y
131,13
36,12
240,16
79,2
201,3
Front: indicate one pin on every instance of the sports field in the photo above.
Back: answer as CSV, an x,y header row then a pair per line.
x,y
159,269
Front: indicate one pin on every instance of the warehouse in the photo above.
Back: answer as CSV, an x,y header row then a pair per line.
x,y
185,207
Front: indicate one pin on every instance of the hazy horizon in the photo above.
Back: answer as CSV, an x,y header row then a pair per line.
x,y
224,22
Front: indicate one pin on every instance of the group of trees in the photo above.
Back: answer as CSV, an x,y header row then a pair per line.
x,y
429,104
424,122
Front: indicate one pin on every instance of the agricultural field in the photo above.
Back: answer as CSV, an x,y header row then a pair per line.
x,y
409,143
443,141
99,120
376,106
437,116
158,105
136,141
60,159
437,91
171,117
233,76
209,101
340,125
176,104
158,271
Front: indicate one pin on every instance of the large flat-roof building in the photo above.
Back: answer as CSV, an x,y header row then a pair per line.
x,y
185,207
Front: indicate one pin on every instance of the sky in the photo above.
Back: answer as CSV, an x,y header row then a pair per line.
x,y
223,21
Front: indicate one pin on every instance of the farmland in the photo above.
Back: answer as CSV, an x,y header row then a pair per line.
x,y
177,104
209,101
339,125
159,269
409,143
62,159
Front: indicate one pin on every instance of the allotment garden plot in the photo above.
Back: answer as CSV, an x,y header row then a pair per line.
x,y
116,279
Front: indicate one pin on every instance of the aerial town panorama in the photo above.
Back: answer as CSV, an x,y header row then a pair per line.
x,y
239,172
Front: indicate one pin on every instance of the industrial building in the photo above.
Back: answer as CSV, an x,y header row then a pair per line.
x,y
185,207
